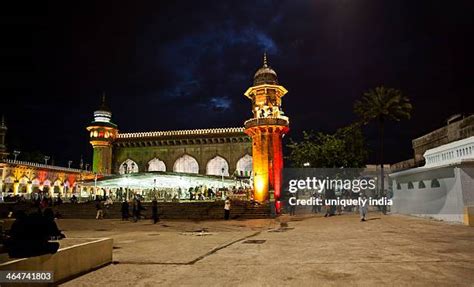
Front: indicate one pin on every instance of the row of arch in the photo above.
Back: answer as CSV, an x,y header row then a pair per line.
x,y
434,183
25,185
188,164
37,182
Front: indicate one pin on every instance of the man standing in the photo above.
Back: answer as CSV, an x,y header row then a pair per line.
x,y
100,211
125,210
363,207
227,208
135,212
154,211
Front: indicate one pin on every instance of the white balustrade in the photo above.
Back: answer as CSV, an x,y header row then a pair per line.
x,y
450,153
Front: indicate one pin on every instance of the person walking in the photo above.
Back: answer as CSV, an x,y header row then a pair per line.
x,y
139,209
125,209
363,208
154,211
135,212
100,211
227,208
108,204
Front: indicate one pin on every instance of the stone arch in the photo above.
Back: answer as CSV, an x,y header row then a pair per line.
x,y
22,184
217,166
47,185
8,183
128,166
35,185
57,186
10,179
156,165
23,180
36,182
186,164
244,165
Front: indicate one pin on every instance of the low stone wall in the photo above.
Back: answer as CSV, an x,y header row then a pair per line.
x,y
199,210
443,193
75,257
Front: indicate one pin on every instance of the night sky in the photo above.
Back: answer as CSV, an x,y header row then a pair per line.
x,y
186,64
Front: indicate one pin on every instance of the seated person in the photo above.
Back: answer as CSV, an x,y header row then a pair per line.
x,y
53,232
73,199
29,236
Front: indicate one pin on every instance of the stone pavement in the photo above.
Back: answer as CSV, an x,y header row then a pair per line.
x,y
389,250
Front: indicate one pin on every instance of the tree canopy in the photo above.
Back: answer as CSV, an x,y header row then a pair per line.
x,y
345,148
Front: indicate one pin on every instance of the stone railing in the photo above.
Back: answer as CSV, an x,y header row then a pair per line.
x,y
182,133
45,166
275,121
450,153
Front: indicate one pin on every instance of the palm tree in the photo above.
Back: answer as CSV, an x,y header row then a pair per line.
x,y
380,105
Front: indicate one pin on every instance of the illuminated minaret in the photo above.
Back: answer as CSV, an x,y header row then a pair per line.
x,y
3,132
102,134
266,129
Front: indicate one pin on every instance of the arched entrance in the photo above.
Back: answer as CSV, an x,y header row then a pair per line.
x,y
217,166
156,165
128,166
8,184
186,164
22,185
244,166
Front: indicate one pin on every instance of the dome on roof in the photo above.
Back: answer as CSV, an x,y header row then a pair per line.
x,y
265,75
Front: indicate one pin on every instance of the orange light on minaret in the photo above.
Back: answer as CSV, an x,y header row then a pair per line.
x,y
266,129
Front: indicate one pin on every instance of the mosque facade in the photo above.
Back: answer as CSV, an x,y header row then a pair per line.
x,y
253,151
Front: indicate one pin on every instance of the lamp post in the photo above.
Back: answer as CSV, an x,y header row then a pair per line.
x,y
46,158
69,164
16,153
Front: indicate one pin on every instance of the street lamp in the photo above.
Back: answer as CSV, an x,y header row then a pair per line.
x,y
16,153
69,164
46,158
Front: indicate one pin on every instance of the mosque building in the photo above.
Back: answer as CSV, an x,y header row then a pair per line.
x,y
253,151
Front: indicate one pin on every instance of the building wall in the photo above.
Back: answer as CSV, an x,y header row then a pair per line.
x,y
25,177
445,201
457,130
203,153
467,181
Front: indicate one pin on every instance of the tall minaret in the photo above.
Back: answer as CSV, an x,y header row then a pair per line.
x,y
3,132
102,134
266,129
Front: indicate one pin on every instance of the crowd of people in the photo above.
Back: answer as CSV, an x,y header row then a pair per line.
x,y
331,210
200,192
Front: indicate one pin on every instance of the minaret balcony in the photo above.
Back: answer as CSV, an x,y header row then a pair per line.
x,y
267,121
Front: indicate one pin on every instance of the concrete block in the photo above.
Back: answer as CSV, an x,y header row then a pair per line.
x,y
77,257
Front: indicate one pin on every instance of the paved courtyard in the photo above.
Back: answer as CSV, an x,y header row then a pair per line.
x,y
387,250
